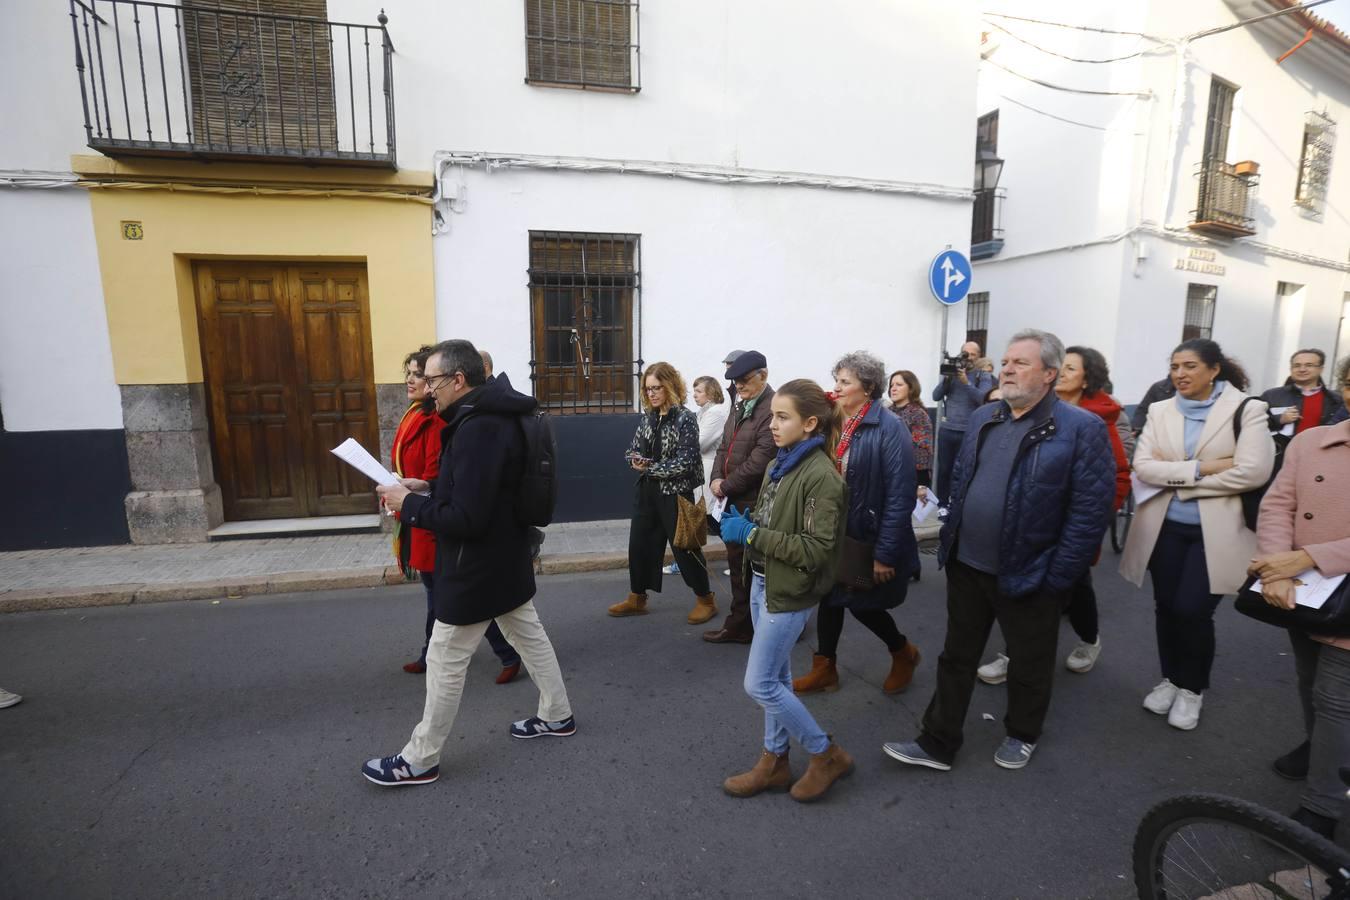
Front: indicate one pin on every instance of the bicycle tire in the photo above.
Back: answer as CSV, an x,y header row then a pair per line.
x,y
1120,525
1170,816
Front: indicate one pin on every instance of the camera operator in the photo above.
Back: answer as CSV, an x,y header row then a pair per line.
x,y
962,390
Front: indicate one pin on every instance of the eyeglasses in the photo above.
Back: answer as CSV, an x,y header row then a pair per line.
x,y
654,390
435,381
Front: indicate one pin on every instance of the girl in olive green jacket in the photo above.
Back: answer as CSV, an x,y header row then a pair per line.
x,y
792,539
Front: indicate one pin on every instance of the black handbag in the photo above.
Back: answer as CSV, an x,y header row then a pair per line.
x,y
1332,619
855,565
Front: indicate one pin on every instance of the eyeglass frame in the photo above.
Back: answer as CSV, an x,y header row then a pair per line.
x,y
431,380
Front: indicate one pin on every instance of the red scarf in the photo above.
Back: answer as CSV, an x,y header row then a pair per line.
x,y
847,437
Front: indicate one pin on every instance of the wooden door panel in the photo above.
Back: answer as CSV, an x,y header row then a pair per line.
x,y
335,371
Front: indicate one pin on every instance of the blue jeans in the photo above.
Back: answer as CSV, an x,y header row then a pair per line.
x,y
768,676
948,448
500,646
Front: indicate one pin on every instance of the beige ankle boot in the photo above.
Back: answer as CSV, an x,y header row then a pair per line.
x,y
704,609
769,773
632,605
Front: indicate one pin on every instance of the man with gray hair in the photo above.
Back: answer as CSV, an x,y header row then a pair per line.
x,y
1032,493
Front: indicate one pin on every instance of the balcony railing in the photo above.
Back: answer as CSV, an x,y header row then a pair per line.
x,y
166,80
1224,201
986,226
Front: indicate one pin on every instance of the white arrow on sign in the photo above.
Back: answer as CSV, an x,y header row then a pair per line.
x,y
950,276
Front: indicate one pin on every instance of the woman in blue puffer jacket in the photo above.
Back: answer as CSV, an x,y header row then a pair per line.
x,y
876,458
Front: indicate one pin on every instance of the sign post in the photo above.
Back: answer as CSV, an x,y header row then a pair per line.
x,y
949,279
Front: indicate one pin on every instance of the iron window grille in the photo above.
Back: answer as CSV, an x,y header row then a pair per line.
x,y
216,79
977,318
1314,165
1200,302
590,44
1224,201
585,321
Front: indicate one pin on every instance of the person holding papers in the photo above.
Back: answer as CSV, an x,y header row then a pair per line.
x,y
1191,535
1304,530
876,457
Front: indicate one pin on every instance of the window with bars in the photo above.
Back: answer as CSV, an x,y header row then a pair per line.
x,y
584,292
1218,119
1200,301
582,44
1314,165
977,319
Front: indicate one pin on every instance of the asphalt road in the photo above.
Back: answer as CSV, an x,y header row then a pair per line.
x,y
202,749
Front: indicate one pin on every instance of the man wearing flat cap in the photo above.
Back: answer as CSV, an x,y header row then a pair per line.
x,y
746,451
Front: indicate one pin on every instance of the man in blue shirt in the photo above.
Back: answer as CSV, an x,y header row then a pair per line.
x,y
961,394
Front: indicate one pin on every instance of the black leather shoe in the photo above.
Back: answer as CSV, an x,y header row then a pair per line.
x,y
722,636
1317,822
1294,764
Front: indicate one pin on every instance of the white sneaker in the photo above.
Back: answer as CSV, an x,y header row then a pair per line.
x,y
726,572
672,569
1159,700
1185,712
995,672
7,699
1084,656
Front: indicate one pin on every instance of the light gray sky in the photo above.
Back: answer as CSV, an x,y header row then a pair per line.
x,y
1336,12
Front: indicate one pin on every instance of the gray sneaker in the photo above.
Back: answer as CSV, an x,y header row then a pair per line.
x,y
912,754
1013,754
8,699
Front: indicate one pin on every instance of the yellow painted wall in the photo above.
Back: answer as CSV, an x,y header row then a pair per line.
x,y
148,289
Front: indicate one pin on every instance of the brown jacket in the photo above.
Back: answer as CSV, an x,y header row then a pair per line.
x,y
746,451
1308,504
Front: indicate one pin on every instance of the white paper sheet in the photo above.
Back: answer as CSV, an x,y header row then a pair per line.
x,y
1287,430
354,455
716,506
1311,588
926,507
1142,489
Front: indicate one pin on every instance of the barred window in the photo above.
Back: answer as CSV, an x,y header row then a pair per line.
x,y
977,319
584,302
1200,301
1314,165
582,43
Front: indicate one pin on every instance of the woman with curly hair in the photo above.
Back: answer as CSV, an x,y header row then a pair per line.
x,y
665,454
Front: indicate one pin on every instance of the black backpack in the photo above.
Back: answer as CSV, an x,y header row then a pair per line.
x,y
538,494
1251,500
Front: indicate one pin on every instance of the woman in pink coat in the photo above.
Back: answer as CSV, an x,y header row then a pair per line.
x,y
1305,524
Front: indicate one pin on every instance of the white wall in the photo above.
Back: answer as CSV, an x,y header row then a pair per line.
x,y
55,360
804,275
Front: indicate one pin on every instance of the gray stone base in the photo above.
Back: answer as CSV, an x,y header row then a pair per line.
x,y
173,517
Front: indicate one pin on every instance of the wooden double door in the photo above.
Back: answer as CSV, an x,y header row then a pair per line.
x,y
290,375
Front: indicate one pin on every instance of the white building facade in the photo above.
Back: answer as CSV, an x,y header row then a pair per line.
x,y
1166,176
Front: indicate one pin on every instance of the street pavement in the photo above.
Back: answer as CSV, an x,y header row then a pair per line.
x,y
212,748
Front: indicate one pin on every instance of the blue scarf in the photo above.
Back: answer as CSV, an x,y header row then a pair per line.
x,y
788,457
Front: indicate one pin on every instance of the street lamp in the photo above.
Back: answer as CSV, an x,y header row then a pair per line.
x,y
988,169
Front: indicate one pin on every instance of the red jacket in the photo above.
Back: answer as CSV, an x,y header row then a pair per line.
x,y
1104,405
417,454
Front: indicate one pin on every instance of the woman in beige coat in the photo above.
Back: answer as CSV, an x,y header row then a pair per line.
x,y
1190,535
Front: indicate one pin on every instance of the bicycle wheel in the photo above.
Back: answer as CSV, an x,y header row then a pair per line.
x,y
1120,525
1206,845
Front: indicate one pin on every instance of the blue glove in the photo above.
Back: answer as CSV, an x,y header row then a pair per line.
x,y
735,527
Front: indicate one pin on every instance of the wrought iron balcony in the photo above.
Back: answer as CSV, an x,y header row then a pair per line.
x,y
1225,197
986,226
167,80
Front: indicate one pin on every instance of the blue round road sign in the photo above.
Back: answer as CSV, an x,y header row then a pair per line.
x,y
949,277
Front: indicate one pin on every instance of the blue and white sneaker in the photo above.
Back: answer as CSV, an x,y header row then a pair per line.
x,y
534,727
395,771
912,754
1013,754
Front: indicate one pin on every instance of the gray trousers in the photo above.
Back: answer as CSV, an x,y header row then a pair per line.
x,y
1324,689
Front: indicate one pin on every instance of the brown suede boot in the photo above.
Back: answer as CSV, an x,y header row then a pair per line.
x,y
824,676
825,769
769,773
704,609
903,663
632,605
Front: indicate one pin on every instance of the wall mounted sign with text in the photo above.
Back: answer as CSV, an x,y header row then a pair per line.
x,y
1202,261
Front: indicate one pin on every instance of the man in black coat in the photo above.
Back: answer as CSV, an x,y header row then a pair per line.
x,y
483,568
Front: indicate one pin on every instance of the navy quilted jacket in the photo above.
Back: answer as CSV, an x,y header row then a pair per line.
x,y
882,483
1059,500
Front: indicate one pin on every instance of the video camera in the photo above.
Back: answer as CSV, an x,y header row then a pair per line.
x,y
953,365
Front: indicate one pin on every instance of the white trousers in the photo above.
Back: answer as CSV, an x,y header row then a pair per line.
x,y
448,655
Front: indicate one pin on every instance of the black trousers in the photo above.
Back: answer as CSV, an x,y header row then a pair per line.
x,y
830,625
1083,609
1031,627
652,528
1183,605
738,616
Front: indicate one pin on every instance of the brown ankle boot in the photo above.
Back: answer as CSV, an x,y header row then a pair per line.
x,y
769,773
822,677
704,609
632,605
903,663
825,769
